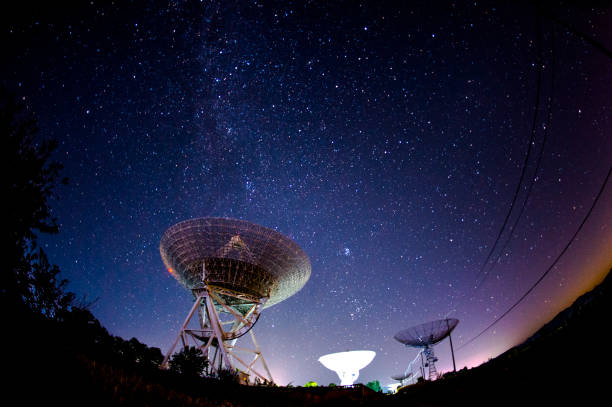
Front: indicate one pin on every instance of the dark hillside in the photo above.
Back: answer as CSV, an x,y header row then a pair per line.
x,y
76,362
564,361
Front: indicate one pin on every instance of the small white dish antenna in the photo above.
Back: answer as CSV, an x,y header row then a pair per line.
x,y
347,364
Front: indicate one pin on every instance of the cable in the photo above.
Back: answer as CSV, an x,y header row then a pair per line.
x,y
598,45
538,163
607,53
603,186
531,140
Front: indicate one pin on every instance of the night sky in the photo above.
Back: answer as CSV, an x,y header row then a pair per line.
x,y
387,140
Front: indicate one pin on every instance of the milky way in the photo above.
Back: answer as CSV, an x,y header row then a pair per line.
x,y
386,140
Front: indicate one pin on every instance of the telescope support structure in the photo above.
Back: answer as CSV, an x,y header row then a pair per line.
x,y
431,362
224,316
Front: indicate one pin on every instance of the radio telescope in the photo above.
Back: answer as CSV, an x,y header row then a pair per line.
x,y
401,381
347,364
401,377
234,269
425,336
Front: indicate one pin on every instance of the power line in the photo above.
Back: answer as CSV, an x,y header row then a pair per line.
x,y
538,163
596,44
531,141
603,186
607,53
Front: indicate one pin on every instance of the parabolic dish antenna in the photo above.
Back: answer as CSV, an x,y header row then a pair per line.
x,y
238,255
347,364
234,269
425,336
401,377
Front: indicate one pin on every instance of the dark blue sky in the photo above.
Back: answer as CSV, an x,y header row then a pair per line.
x,y
387,140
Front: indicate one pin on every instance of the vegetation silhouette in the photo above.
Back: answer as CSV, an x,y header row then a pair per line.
x,y
189,361
28,282
374,385
51,332
228,376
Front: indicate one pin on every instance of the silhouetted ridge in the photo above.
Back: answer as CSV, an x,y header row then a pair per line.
x,y
595,301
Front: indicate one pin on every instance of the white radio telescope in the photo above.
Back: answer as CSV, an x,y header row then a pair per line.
x,y
347,364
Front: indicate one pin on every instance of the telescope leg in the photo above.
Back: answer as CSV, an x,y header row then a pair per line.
x,y
216,326
452,352
182,330
263,361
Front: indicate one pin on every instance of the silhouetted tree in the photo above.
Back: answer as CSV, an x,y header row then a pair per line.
x,y
189,361
374,385
45,293
27,278
137,354
228,375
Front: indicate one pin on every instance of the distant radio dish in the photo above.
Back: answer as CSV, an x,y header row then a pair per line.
x,y
401,377
347,364
425,336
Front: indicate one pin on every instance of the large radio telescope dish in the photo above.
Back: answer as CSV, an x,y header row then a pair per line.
x,y
425,336
347,364
237,255
234,269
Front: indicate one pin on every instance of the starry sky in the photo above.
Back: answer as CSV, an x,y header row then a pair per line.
x,y
387,139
